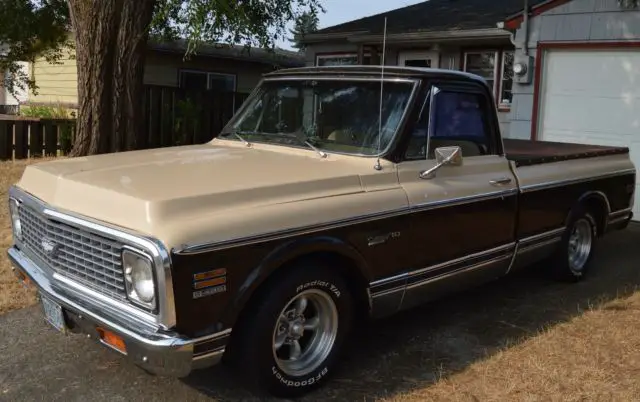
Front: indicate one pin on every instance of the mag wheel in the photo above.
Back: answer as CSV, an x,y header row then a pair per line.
x,y
580,244
294,334
305,332
573,259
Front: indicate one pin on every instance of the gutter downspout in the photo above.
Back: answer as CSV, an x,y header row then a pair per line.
x,y
525,45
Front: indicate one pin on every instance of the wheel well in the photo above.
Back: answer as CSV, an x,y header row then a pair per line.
x,y
345,266
598,207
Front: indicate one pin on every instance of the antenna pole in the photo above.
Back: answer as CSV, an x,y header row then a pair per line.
x,y
378,166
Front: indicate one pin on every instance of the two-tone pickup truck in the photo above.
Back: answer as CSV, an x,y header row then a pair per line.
x,y
333,194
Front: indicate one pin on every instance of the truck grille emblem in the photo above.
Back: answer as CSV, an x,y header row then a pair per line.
x,y
49,247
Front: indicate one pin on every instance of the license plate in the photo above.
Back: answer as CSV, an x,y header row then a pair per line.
x,y
53,314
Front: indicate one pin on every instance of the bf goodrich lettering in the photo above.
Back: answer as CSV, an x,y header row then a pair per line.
x,y
303,383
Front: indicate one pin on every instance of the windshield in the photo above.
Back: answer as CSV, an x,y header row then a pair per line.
x,y
332,115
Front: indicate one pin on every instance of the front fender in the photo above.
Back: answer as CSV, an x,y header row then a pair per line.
x,y
287,252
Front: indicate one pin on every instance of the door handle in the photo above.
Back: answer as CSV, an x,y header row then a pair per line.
x,y
501,181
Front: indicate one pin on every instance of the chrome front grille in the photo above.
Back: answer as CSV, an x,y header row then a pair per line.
x,y
75,253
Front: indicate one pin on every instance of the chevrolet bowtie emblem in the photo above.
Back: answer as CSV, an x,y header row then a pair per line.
x,y
49,247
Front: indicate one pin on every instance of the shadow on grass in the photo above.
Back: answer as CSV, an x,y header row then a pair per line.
x,y
414,349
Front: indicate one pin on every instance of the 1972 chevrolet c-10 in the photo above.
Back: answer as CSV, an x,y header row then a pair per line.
x,y
334,193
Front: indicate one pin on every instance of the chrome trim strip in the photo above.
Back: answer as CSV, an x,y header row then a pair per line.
x,y
462,259
387,292
216,335
281,234
329,77
513,258
459,271
215,353
535,246
534,238
465,200
408,275
166,317
388,280
558,183
621,212
618,220
519,247
78,287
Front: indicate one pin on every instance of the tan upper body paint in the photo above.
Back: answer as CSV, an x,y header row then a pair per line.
x,y
223,190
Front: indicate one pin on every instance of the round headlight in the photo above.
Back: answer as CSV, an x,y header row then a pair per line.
x,y
15,219
142,279
140,282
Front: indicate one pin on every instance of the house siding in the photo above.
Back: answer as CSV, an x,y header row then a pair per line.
x,y
576,21
163,69
58,83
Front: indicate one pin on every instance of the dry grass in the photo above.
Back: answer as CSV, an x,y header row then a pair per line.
x,y
12,294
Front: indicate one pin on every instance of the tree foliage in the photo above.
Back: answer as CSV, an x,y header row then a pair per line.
x,y
30,29
110,39
305,23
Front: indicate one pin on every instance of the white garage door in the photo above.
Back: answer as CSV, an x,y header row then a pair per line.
x,y
592,97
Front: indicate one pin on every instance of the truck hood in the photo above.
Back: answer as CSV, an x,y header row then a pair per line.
x,y
140,190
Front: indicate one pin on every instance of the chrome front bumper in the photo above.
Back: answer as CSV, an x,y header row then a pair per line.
x,y
157,351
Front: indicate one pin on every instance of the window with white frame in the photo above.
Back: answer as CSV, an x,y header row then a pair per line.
x,y
506,83
341,59
199,80
496,68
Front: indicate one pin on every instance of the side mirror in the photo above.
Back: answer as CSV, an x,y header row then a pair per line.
x,y
444,156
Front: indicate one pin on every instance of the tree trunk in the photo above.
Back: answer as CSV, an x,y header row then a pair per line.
x,y
111,38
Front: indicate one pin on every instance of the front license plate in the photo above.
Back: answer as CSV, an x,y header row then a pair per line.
x,y
53,314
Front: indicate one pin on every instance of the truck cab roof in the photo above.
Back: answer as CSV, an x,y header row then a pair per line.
x,y
376,70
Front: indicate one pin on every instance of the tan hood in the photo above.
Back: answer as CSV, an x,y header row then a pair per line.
x,y
143,190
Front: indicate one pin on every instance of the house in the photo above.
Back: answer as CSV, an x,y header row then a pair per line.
x,y
458,35
579,74
9,101
214,66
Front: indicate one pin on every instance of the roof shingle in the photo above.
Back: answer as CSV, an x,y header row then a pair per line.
x,y
436,15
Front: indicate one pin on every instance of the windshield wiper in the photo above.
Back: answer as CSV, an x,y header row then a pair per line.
x,y
237,133
306,142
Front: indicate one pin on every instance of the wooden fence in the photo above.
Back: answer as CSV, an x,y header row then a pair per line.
x,y
172,116
21,138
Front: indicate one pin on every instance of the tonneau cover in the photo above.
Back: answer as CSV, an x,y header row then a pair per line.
x,y
527,152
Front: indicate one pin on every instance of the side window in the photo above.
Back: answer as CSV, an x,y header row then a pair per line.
x,y
417,148
459,119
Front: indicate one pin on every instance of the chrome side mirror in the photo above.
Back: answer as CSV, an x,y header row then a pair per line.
x,y
444,156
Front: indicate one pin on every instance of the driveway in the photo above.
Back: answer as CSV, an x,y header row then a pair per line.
x,y
393,356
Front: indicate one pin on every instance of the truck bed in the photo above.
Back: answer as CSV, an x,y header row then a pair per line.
x,y
527,152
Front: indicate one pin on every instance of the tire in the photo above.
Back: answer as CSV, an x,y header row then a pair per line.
x,y
266,341
572,260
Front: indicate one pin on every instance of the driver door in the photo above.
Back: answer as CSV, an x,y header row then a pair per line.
x,y
463,215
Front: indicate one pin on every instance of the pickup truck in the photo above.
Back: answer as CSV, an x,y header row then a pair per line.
x,y
334,194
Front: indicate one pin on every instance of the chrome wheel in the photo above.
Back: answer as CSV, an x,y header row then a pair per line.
x,y
580,242
305,332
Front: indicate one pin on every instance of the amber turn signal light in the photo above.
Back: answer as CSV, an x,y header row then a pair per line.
x,y
111,339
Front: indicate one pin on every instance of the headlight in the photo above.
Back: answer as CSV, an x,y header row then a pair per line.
x,y
140,281
15,219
